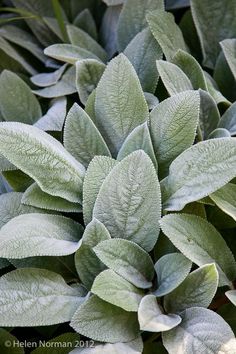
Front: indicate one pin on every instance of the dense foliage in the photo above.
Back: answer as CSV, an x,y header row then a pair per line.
x,y
117,184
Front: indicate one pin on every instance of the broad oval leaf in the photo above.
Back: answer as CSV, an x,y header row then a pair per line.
x,y
171,271
219,133
48,79
17,102
152,319
197,290
129,195
231,295
199,171
229,49
104,322
209,114
86,22
50,165
225,199
27,294
201,331
194,237
81,137
128,260
120,104
36,234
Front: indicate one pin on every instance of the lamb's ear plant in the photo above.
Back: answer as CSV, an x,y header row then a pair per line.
x,y
118,176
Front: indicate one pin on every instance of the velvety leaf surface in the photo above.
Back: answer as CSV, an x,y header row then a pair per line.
x,y
228,120
68,53
225,199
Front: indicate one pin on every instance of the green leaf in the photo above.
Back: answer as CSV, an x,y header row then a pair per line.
x,y
114,289
7,341
138,139
85,21
229,49
59,344
113,2
81,137
35,197
225,199
231,295
152,319
104,322
48,79
129,195
50,164
120,103
18,103
128,260
195,238
41,235
97,171
152,100
197,290
201,331
219,133
171,271
80,38
174,79
166,32
209,113
224,78
87,264
214,91
228,120
173,125
199,171
132,19
26,295
88,74
210,16
142,52
68,53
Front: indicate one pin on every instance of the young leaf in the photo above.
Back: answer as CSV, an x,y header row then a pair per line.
x,y
138,139
129,195
166,32
132,19
88,74
225,199
171,271
97,171
152,319
18,103
228,120
68,53
35,197
194,237
173,125
40,235
199,171
81,137
142,52
104,322
128,260
114,289
229,49
48,79
87,264
50,164
26,295
197,290
201,331
120,103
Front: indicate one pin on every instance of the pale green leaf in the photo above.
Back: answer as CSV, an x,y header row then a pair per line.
x,y
129,201
54,118
224,78
120,103
142,52
97,171
171,271
199,241
128,260
229,49
132,19
225,199
88,74
214,91
50,165
209,113
48,79
114,289
199,171
85,21
152,100
36,234
35,197
26,295
138,139
166,32
133,347
231,295
81,137
228,120
219,133
113,2
17,102
152,319
173,125
201,331
197,290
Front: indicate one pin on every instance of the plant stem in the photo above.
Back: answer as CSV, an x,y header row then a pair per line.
x,y
60,20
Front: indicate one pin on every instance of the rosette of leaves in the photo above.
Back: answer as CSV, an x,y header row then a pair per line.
x,y
117,205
